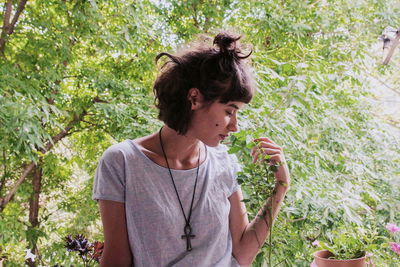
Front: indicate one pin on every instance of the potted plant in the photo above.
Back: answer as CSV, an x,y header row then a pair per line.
x,y
347,246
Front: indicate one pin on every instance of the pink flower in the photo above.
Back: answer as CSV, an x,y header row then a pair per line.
x,y
392,228
315,243
395,247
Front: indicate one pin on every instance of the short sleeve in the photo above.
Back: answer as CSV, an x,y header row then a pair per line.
x,y
109,181
235,168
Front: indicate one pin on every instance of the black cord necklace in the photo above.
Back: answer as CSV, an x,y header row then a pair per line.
x,y
188,228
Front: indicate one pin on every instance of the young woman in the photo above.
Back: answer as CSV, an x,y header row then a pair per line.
x,y
171,198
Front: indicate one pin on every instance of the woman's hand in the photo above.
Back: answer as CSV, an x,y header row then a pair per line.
x,y
266,146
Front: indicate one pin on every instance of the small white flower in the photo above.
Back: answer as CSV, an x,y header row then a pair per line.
x,y
29,255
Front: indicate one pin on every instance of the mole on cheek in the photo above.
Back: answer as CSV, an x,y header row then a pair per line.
x,y
217,124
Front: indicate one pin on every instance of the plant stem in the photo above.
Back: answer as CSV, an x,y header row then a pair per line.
x,y
270,232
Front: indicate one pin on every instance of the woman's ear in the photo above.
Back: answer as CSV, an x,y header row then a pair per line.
x,y
195,97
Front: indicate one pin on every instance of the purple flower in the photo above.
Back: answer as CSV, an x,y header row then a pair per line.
x,y
395,247
315,243
392,228
79,243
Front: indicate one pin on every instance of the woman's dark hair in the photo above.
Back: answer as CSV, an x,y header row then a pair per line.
x,y
220,73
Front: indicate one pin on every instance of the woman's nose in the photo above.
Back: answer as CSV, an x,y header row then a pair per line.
x,y
233,127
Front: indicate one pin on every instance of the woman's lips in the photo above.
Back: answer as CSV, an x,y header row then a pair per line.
x,y
222,136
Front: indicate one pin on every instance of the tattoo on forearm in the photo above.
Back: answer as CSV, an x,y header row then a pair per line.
x,y
255,233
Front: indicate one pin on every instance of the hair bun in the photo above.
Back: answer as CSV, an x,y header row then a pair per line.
x,y
226,42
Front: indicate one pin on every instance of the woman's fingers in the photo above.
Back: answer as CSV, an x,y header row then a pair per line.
x,y
270,151
277,158
266,146
273,158
263,139
255,158
266,149
266,140
269,145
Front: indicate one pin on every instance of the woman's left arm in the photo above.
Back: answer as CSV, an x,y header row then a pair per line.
x,y
248,238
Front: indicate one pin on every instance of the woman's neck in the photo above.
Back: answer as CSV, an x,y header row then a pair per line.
x,y
180,149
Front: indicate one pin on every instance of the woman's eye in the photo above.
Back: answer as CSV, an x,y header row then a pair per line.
x,y
229,113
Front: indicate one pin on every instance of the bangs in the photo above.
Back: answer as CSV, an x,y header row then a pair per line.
x,y
238,88
237,93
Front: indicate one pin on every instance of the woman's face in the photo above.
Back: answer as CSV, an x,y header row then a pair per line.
x,y
213,123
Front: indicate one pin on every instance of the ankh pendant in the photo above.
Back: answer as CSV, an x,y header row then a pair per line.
x,y
188,235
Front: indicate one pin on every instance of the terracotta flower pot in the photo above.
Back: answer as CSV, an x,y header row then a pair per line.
x,y
321,260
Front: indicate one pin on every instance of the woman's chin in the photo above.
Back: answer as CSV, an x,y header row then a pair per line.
x,y
212,143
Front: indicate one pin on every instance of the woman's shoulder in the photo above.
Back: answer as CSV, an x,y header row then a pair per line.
x,y
120,150
128,152
145,143
129,145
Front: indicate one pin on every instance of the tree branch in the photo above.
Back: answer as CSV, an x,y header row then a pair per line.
x,y
35,195
194,15
7,14
54,140
10,195
93,124
6,23
20,8
8,28
393,123
96,99
3,180
63,133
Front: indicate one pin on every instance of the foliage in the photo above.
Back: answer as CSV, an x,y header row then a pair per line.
x,y
76,76
349,243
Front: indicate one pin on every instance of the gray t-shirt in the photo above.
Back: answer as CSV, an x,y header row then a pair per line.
x,y
155,222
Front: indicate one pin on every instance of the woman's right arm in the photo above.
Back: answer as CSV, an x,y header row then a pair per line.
x,y
116,250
